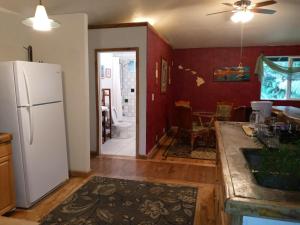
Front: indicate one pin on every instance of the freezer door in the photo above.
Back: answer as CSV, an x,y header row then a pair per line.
x,y
37,83
45,160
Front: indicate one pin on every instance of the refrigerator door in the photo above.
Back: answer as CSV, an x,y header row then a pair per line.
x,y
45,159
37,83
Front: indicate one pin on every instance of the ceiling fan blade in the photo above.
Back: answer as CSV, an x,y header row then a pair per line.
x,y
261,4
228,4
218,12
4,10
264,11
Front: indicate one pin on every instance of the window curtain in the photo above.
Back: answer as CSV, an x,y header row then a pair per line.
x,y
259,69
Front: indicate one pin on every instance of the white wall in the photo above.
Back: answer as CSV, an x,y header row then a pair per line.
x,y
12,37
120,38
68,46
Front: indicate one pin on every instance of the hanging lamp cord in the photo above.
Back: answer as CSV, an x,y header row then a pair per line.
x,y
242,42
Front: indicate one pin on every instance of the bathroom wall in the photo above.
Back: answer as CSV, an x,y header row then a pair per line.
x,y
128,70
106,63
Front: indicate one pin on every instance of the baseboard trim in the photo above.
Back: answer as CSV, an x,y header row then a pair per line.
x,y
94,154
155,148
79,174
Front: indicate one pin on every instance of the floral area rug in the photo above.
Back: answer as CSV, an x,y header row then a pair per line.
x,y
125,202
183,150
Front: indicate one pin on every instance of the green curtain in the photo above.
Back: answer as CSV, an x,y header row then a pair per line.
x,y
259,69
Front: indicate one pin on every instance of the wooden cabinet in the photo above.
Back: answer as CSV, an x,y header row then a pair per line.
x,y
7,189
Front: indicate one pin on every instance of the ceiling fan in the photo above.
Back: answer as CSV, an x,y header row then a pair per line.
x,y
243,10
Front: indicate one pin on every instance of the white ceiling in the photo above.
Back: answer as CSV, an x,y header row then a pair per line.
x,y
183,22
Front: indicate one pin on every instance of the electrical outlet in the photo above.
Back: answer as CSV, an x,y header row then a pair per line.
x,y
156,138
164,130
153,97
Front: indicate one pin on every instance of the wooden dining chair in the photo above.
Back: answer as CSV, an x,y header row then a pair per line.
x,y
242,113
188,127
206,122
224,111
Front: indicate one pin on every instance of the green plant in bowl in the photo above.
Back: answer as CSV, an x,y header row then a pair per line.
x,y
280,168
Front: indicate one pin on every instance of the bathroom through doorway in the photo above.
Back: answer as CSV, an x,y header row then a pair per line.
x,y
117,102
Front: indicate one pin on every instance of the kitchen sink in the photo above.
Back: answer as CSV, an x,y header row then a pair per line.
x,y
270,180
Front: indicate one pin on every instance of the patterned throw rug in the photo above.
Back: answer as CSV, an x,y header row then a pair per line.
x,y
125,202
182,150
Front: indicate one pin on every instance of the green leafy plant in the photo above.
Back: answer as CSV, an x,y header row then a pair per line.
x,y
284,161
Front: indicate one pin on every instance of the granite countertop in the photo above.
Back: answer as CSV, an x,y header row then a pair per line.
x,y
244,196
5,137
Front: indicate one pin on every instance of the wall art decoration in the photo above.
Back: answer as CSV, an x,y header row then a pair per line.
x,y
227,74
156,72
199,80
108,72
164,76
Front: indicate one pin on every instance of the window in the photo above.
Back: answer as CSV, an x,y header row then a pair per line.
x,y
281,86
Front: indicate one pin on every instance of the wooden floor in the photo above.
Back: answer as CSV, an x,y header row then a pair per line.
x,y
158,155
199,174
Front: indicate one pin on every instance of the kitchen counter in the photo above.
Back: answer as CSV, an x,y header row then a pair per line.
x,y
243,196
5,137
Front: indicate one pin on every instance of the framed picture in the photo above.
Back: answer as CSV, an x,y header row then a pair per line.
x,y
108,72
102,74
164,76
227,74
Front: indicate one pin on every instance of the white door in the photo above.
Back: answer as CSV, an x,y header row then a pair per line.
x,y
37,83
44,148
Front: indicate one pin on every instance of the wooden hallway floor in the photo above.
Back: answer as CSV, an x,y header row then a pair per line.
x,y
201,176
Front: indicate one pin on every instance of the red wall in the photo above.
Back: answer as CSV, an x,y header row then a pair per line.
x,y
204,98
158,111
206,60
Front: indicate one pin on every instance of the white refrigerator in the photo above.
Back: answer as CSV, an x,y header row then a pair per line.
x,y
31,108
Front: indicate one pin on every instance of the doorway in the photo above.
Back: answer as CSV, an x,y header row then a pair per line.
x,y
117,101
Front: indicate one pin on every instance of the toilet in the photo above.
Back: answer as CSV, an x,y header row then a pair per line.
x,y
120,129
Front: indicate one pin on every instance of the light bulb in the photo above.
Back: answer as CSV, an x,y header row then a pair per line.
x,y
242,16
40,21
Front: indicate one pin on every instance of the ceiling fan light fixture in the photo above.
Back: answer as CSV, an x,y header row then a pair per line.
x,y
40,21
242,16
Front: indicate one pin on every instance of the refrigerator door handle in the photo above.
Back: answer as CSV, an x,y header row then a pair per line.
x,y
29,107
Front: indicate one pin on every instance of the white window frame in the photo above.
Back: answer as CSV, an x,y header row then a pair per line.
x,y
289,79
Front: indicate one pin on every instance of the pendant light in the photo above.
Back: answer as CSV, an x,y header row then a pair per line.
x,y
40,21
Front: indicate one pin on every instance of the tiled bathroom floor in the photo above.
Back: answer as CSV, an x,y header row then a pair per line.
x,y
124,146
